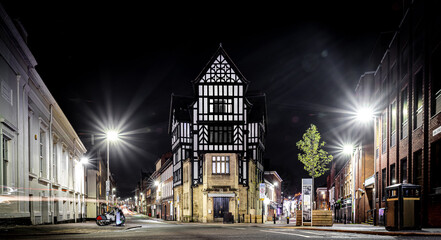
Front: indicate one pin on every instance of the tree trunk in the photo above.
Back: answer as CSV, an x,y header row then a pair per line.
x,y
312,198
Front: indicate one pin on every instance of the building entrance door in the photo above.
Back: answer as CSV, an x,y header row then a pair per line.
x,y
220,206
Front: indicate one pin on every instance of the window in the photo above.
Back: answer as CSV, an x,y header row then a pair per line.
x,y
436,82
221,105
403,176
393,123
5,157
393,180
418,169
418,100
220,164
384,131
404,114
221,134
383,184
404,61
418,43
42,153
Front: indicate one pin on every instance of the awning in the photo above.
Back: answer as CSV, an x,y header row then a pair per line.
x,y
221,195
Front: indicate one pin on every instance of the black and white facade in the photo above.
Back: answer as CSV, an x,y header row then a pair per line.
x,y
219,120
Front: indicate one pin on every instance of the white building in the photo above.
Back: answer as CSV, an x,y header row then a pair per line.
x,y
42,178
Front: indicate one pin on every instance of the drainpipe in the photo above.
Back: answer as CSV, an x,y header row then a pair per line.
x,y
51,161
18,124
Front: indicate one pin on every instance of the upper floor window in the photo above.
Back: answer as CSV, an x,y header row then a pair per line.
x,y
393,122
404,115
42,153
418,100
221,105
220,164
404,61
384,131
220,134
436,82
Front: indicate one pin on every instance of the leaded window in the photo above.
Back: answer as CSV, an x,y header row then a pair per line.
x,y
220,134
221,105
220,164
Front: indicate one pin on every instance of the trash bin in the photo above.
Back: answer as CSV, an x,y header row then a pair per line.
x,y
403,207
228,218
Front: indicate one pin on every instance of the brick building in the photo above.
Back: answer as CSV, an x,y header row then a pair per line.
x,y
407,86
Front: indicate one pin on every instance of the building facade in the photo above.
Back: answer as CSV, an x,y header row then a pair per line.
x,y
42,178
407,130
218,141
272,203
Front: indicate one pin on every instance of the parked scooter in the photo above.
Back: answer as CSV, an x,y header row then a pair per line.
x,y
111,217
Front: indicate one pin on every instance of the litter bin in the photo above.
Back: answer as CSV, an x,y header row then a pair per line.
x,y
403,206
228,218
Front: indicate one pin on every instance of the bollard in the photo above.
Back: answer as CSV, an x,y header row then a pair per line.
x,y
287,220
274,218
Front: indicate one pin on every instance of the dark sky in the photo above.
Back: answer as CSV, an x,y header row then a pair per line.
x,y
119,61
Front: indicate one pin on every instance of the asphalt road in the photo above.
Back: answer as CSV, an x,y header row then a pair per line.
x,y
153,229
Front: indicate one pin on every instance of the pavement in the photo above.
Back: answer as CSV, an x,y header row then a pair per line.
x,y
62,228
91,227
357,228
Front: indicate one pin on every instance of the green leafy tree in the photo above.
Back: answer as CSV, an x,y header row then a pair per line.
x,y
314,159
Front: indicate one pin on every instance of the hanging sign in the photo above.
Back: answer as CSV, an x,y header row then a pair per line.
x,y
262,191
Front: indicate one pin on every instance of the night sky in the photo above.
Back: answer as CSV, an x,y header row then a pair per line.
x,y
118,63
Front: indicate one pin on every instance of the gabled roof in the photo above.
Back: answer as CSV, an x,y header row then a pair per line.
x,y
258,111
181,105
220,57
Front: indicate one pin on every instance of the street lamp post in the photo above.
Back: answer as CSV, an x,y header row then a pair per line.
x,y
366,115
110,136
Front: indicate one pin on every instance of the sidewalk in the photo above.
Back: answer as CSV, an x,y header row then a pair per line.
x,y
359,228
62,228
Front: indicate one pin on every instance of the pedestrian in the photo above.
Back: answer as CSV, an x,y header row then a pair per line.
x,y
118,217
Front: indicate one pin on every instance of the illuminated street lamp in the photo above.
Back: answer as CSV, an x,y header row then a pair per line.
x,y
348,149
111,135
366,115
84,161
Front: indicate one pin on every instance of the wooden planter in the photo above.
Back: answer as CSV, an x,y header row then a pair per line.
x,y
319,218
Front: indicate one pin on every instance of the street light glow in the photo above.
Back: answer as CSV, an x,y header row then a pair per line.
x,y
276,184
112,135
156,183
365,114
84,160
348,149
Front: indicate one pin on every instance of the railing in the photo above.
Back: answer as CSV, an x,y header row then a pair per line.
x,y
370,214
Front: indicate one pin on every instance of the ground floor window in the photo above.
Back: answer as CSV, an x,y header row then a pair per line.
x,y
5,160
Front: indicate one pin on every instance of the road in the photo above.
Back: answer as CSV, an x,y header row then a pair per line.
x,y
147,228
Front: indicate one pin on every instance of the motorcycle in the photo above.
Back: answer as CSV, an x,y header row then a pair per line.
x,y
110,217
